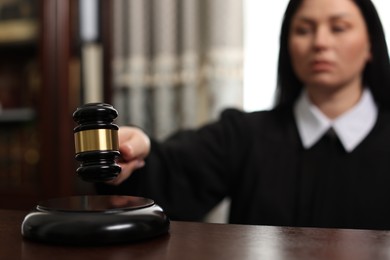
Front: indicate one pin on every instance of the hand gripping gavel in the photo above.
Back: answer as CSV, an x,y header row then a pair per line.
x,y
96,142
95,219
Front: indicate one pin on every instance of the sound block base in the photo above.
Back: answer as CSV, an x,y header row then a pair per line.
x,y
95,220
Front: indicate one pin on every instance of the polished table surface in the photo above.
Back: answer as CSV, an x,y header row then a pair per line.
x,y
201,241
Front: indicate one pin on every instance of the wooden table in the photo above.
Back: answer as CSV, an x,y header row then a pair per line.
x,y
200,241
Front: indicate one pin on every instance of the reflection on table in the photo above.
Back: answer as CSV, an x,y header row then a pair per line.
x,y
188,240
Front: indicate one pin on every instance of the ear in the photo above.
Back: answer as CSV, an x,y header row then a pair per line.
x,y
369,54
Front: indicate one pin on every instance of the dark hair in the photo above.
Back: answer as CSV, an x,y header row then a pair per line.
x,y
376,74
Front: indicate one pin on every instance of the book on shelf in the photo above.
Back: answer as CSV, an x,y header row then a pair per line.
x,y
19,157
19,84
18,31
18,21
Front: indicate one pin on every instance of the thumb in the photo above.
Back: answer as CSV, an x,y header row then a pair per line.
x,y
133,143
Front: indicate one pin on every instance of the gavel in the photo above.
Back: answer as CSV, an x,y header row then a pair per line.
x,y
96,142
95,219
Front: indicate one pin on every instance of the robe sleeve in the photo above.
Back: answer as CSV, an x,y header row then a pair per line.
x,y
191,171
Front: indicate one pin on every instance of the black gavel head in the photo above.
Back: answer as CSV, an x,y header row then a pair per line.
x,y
96,142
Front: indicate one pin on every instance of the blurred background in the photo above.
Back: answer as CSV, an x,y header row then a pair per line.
x,y
164,65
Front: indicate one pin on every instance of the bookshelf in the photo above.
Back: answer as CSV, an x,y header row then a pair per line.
x,y
39,90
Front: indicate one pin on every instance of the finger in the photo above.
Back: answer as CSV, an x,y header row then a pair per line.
x,y
127,169
134,143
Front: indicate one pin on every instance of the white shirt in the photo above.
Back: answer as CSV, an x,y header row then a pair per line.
x,y
351,127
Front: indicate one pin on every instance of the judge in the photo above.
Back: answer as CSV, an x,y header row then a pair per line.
x,y
319,158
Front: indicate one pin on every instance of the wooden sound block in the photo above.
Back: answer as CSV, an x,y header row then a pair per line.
x,y
95,220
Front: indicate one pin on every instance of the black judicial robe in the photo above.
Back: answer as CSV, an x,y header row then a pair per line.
x,y
257,160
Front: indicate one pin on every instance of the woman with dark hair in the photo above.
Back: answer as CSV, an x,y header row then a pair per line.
x,y
375,75
320,158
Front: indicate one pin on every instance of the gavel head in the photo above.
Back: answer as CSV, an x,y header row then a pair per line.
x,y
96,142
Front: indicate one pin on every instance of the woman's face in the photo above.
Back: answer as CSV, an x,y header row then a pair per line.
x,y
329,44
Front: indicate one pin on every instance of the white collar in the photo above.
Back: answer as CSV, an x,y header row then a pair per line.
x,y
351,127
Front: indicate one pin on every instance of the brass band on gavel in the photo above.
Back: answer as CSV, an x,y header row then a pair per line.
x,y
96,140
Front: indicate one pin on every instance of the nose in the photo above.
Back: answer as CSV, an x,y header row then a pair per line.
x,y
322,39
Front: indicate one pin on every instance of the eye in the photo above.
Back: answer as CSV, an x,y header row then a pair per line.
x,y
302,30
340,27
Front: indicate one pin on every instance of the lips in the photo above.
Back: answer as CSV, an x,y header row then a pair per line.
x,y
321,65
